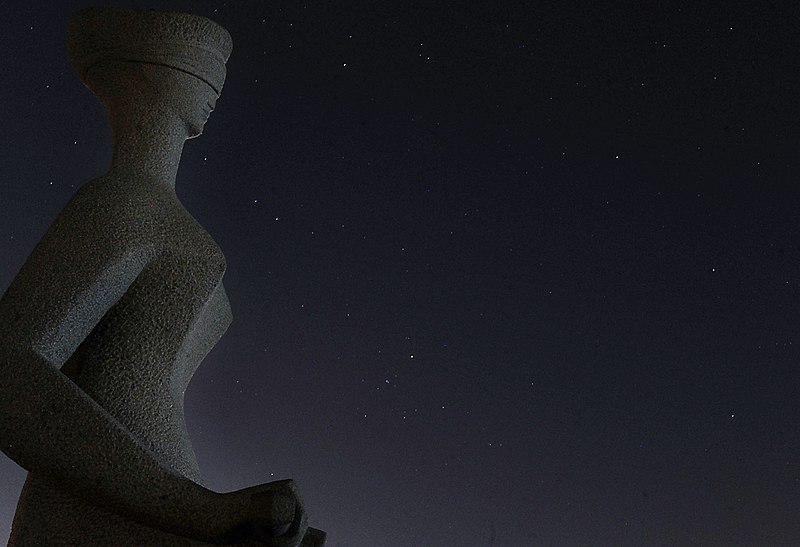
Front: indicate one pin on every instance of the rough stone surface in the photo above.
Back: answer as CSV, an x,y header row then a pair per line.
x,y
124,294
193,44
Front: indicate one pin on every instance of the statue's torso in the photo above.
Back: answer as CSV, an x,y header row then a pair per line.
x,y
138,359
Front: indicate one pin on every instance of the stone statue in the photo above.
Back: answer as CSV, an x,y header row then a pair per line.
x,y
124,295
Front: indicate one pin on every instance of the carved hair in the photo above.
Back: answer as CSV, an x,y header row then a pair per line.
x,y
185,42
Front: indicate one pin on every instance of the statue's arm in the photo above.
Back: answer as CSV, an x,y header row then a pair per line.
x,y
49,425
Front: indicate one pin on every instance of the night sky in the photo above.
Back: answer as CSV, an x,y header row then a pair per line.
x,y
502,274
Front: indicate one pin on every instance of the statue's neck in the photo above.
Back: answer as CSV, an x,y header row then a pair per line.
x,y
147,148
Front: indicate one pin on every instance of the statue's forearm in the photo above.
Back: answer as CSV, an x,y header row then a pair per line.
x,y
50,426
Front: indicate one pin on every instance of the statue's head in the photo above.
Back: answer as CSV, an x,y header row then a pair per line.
x,y
165,60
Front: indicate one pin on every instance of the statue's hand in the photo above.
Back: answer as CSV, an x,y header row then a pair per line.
x,y
273,514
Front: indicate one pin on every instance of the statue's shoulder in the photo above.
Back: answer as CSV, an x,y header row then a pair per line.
x,y
123,204
110,214
120,215
110,195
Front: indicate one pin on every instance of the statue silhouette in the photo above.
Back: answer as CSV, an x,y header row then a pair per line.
x,y
124,295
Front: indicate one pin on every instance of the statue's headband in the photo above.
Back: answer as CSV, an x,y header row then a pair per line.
x,y
185,42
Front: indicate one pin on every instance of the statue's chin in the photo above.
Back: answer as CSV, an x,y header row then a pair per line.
x,y
194,132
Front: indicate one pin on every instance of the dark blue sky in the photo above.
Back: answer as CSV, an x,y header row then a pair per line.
x,y
501,273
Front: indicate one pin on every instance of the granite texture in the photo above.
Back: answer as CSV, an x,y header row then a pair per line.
x,y
124,295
